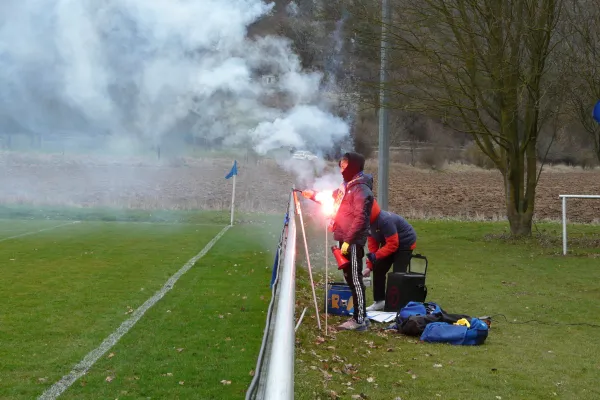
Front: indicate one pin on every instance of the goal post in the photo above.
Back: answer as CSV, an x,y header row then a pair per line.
x,y
564,198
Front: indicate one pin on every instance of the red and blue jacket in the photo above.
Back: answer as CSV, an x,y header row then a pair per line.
x,y
389,233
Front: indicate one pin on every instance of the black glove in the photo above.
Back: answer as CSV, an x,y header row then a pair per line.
x,y
371,257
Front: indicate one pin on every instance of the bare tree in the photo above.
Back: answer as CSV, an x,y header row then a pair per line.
x,y
483,67
582,31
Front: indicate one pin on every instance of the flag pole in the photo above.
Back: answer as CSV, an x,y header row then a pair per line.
x,y
326,284
312,284
232,201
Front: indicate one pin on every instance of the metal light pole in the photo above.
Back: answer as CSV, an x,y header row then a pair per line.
x,y
384,138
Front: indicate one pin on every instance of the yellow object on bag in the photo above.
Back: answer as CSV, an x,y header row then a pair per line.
x,y
345,247
463,321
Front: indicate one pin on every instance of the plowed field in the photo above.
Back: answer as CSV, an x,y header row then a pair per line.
x,y
462,192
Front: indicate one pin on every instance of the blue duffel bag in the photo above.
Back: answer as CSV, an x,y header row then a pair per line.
x,y
441,332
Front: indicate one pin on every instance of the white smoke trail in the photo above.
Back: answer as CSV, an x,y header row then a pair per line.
x,y
149,70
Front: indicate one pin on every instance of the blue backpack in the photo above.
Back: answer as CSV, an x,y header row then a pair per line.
x,y
415,308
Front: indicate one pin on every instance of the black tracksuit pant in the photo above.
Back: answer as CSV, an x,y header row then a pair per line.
x,y
354,279
400,260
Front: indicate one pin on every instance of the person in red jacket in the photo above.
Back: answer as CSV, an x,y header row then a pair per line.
x,y
353,202
391,241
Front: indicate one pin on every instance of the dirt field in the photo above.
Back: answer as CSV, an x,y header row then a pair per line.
x,y
463,192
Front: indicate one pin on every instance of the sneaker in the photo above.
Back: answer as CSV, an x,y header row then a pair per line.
x,y
377,306
352,325
367,321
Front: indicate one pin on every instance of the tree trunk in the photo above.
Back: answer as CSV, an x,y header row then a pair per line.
x,y
519,197
520,223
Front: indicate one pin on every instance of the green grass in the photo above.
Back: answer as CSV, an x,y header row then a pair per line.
x,y
65,290
474,271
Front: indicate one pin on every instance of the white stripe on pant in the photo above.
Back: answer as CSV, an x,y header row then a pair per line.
x,y
358,287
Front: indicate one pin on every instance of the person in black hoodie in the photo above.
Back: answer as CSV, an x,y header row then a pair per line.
x,y
353,201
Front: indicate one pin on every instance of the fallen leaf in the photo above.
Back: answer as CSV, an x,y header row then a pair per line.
x,y
333,395
389,350
319,340
221,316
224,382
227,339
251,372
413,376
109,378
437,365
42,379
181,382
370,379
167,374
179,350
111,355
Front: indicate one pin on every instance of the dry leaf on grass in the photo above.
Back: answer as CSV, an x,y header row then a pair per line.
x,y
111,355
437,365
167,374
179,350
109,378
370,379
251,372
333,395
225,382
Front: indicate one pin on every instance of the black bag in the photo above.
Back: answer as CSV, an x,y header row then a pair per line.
x,y
403,287
415,324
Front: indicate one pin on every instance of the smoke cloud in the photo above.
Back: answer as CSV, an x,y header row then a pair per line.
x,y
142,72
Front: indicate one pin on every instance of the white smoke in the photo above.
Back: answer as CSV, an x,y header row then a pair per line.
x,y
143,70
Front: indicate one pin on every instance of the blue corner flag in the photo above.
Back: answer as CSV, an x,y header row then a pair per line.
x,y
596,112
233,170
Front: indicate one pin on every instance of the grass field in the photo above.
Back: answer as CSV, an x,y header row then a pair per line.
x,y
475,270
67,286
71,277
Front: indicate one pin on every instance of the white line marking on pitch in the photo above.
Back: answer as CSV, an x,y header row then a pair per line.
x,y
84,365
41,230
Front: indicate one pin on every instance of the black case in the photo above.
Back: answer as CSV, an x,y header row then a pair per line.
x,y
403,287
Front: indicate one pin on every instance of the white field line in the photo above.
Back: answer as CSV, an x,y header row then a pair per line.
x,y
41,230
164,223
84,365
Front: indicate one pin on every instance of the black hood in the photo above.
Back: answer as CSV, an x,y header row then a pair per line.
x,y
356,164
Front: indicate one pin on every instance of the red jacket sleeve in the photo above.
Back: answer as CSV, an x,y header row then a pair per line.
x,y
391,245
372,244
